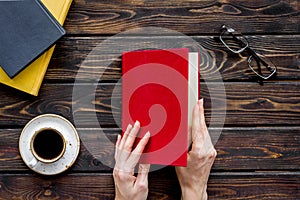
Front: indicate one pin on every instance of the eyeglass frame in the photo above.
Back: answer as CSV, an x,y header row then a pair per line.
x,y
249,49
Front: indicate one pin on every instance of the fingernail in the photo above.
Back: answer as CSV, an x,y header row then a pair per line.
x,y
137,123
147,134
200,102
129,127
118,139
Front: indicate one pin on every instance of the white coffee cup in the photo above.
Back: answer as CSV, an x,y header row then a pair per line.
x,y
49,144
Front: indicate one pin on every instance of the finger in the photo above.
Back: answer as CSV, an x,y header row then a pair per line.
x,y
207,143
125,135
195,123
118,141
124,159
137,152
197,134
121,155
142,176
131,137
202,117
142,143
117,146
203,126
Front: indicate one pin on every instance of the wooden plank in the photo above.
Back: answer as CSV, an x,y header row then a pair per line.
x,y
100,186
71,61
186,16
252,104
276,148
274,185
272,103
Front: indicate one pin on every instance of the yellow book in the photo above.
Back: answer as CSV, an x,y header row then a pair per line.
x,y
30,79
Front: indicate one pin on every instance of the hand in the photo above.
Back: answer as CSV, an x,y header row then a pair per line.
x,y
128,186
193,178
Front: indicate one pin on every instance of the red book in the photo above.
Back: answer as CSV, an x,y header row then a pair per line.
x,y
156,92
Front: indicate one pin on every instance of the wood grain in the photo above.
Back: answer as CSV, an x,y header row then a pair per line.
x,y
245,104
87,59
246,186
239,149
258,150
186,16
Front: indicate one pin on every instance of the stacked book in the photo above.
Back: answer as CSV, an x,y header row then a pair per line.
x,y
29,32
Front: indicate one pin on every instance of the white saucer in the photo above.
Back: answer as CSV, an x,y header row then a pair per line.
x,y
67,130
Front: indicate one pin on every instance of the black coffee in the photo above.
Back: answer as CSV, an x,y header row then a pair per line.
x,y
48,144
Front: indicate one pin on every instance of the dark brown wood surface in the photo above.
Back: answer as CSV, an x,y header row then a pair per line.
x,y
100,186
239,149
259,146
71,53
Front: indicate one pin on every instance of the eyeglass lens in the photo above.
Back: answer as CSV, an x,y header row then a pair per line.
x,y
261,66
233,40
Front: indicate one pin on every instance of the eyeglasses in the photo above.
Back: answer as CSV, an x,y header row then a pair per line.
x,y
237,43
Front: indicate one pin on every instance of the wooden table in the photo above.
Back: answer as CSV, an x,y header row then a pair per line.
x,y
259,148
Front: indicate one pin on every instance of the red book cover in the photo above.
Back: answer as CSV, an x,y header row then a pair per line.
x,y
155,92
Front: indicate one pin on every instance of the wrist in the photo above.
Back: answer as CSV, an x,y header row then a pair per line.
x,y
194,193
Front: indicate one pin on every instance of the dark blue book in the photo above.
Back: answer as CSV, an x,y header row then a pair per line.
x,y
27,29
